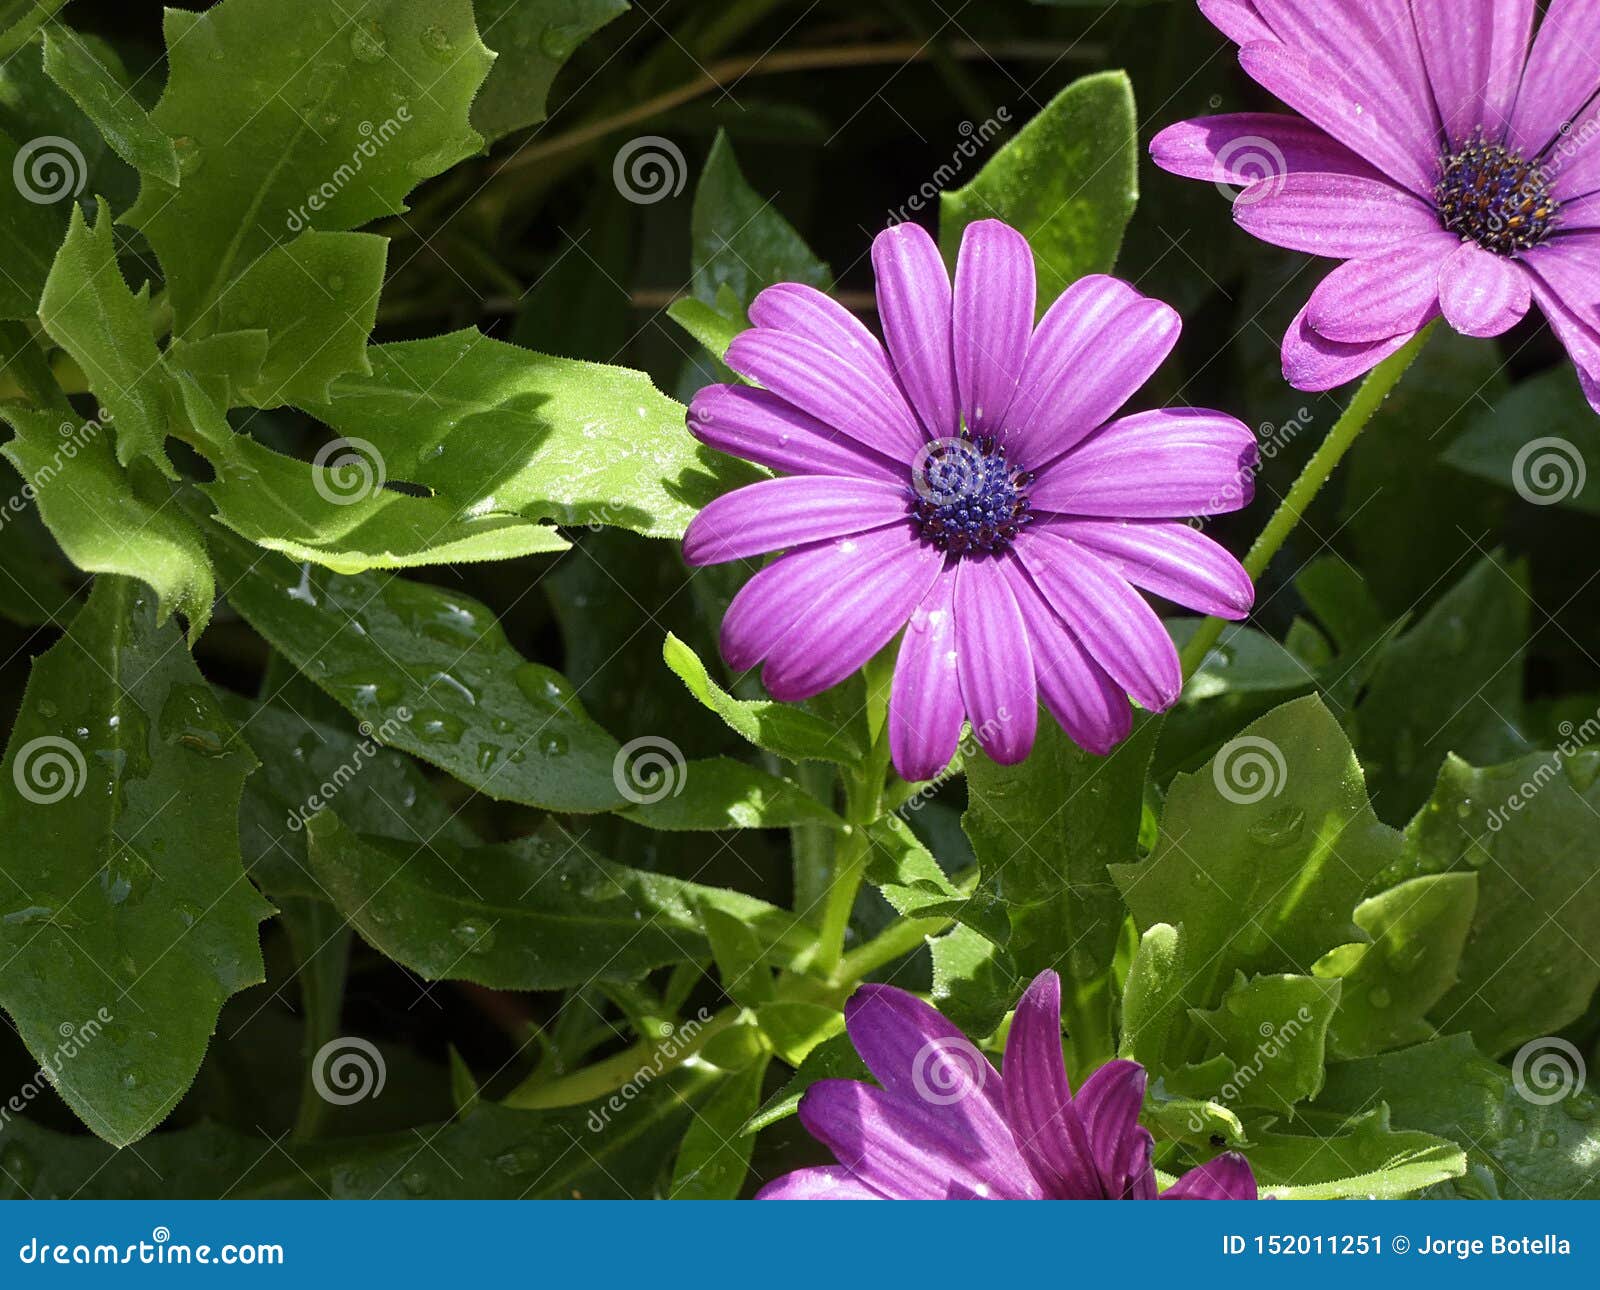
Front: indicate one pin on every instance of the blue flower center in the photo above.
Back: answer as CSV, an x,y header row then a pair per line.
x,y
1495,196
966,498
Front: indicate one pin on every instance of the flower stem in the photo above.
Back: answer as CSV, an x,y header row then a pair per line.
x,y
1369,398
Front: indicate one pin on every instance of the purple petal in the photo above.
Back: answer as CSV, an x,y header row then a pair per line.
x,y
1561,294
1228,1177
1241,148
1561,77
800,310
1474,53
992,659
826,1182
925,709
772,602
1112,620
1096,346
1168,559
1039,1098
1168,464
920,1057
1237,20
1343,216
1389,295
871,601
1371,49
1574,159
993,320
906,1149
1581,214
1370,127
1481,293
1313,362
1109,1104
1091,707
915,304
869,408
761,427
779,513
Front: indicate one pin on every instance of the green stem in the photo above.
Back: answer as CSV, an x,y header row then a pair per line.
x,y
850,866
1369,398
656,1057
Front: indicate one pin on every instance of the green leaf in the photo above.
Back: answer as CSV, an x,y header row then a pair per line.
x,y
1534,1148
1418,930
779,728
33,217
1527,829
433,674
1266,1044
740,243
99,85
1263,856
336,513
910,879
741,957
316,298
713,794
975,981
308,764
1452,684
1363,1158
294,114
532,39
87,309
1540,439
831,1059
1068,183
108,520
489,425
1045,833
491,1153
709,326
222,364
715,1156
127,903
541,913
796,1028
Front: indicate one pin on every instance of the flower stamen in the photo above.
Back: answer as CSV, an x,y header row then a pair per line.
x,y
1494,196
966,498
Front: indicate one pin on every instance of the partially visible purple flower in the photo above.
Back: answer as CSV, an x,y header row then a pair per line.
x,y
945,1125
1447,153
969,480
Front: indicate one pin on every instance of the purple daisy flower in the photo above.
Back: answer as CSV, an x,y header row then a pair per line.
x,y
945,1125
1444,151
968,480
